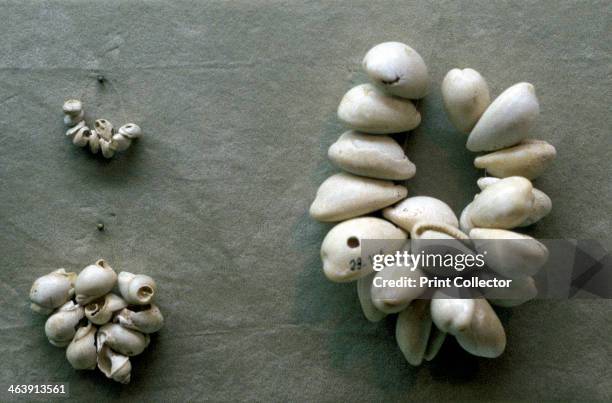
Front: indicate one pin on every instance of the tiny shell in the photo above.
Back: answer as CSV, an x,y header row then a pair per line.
x,y
81,352
94,142
412,331
528,159
451,315
137,289
504,204
366,108
395,299
375,156
61,326
341,248
398,69
507,120
466,96
365,299
74,120
120,142
75,129
104,128
149,320
115,366
101,311
122,340
107,150
81,138
485,335
130,130
73,107
94,281
509,253
344,195
52,290
408,212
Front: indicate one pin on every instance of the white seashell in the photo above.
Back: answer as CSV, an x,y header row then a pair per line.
x,y
107,150
122,340
75,129
408,212
61,326
466,96
374,156
94,281
507,120
451,315
130,130
137,289
81,352
52,290
528,159
365,299
508,253
74,120
120,142
94,142
398,69
521,290
343,196
341,248
485,335
390,299
101,310
104,128
81,138
504,204
412,331
365,108
542,205
73,107
115,366
149,320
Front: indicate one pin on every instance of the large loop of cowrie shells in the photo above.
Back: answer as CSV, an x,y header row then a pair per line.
x,y
509,200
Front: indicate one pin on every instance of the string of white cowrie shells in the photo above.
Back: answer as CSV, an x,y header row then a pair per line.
x,y
102,137
373,160
98,327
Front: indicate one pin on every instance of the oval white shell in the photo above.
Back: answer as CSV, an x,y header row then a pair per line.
x,y
451,315
395,299
73,107
504,204
115,366
373,156
408,212
342,245
398,69
509,253
120,142
61,326
485,335
367,109
122,340
101,311
412,331
137,289
146,321
365,299
81,352
130,130
507,120
466,96
528,159
52,290
343,196
94,281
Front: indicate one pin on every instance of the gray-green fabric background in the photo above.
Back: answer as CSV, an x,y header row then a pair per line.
x,y
237,101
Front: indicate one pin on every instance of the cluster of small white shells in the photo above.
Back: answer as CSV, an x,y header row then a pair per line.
x,y
373,160
102,137
99,328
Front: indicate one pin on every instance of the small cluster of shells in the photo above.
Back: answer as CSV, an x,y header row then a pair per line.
x,y
99,328
372,160
102,137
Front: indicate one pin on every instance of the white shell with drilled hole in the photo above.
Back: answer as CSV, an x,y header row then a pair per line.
x,y
507,121
367,109
375,156
466,96
344,195
342,246
397,69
